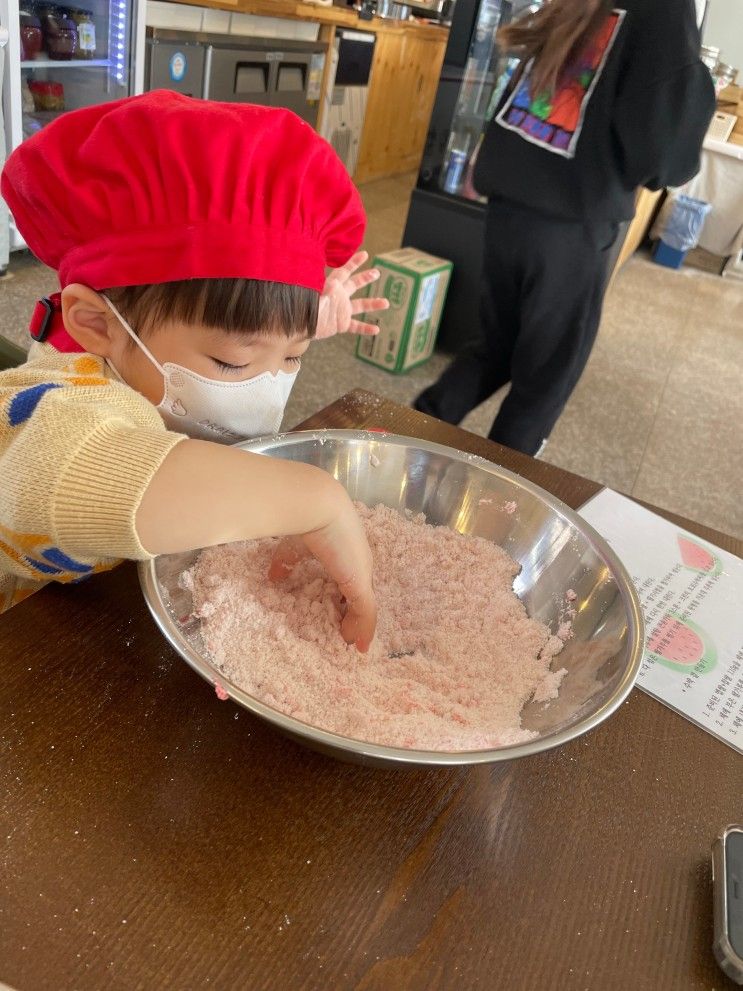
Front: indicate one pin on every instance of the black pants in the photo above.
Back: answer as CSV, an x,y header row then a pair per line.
x,y
543,286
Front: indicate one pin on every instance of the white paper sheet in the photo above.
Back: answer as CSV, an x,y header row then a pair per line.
x,y
692,598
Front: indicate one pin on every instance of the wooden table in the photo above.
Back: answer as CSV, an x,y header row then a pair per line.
x,y
154,837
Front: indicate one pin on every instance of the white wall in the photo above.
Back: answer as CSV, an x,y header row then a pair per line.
x,y
724,30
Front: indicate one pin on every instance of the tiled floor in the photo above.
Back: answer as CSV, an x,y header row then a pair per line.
x,y
658,412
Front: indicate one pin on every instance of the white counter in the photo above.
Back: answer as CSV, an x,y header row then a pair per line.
x,y
720,182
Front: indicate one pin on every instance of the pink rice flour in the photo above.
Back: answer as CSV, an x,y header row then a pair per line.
x,y
454,659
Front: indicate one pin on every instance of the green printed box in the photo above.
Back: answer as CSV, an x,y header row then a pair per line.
x,y
415,283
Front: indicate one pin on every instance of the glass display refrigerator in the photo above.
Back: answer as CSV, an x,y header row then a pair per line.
x,y
61,57
446,214
4,220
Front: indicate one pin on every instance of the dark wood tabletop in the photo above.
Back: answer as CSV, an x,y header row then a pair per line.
x,y
154,837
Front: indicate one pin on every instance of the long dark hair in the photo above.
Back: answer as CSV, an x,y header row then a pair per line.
x,y
552,36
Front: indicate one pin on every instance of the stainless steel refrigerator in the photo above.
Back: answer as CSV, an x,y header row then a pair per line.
x,y
4,215
229,68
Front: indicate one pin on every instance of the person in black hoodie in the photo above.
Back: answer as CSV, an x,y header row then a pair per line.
x,y
606,99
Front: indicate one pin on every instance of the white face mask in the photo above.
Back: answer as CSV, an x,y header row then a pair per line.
x,y
208,409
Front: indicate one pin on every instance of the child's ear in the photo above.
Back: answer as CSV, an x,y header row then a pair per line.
x,y
88,320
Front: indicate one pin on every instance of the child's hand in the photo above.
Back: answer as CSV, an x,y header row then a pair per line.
x,y
337,309
205,494
341,547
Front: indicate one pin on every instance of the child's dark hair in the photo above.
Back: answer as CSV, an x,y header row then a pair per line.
x,y
235,305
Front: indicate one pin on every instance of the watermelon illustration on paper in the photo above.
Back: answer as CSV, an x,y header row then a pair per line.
x,y
697,557
681,645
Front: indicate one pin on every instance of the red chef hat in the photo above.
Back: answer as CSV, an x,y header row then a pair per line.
x,y
161,187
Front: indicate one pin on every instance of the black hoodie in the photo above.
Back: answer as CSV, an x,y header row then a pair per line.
x,y
632,111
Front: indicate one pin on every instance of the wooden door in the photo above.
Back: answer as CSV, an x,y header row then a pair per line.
x,y
422,59
402,87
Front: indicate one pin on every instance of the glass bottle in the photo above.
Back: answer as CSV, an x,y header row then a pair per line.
x,y
86,41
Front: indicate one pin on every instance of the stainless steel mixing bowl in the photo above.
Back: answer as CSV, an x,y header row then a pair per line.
x,y
557,551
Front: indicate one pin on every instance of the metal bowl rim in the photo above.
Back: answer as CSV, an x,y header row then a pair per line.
x,y
399,755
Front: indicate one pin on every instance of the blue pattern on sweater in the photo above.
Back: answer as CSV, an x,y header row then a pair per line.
x,y
24,403
55,556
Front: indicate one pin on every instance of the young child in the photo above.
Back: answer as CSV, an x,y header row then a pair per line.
x,y
191,240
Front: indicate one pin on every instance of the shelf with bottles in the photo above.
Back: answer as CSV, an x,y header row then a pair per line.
x,y
468,128
38,64
42,100
61,35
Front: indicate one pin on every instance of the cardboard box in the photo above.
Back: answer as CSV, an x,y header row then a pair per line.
x,y
415,283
